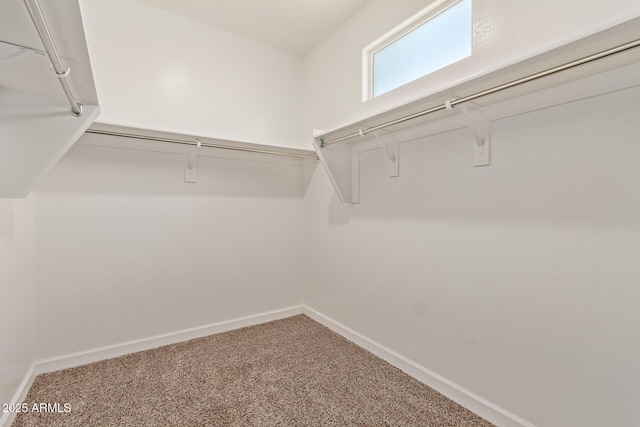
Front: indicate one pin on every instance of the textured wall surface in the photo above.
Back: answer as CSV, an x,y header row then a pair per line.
x,y
517,281
16,294
126,250
504,32
157,70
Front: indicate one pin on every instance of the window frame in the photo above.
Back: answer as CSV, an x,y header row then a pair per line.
x,y
401,30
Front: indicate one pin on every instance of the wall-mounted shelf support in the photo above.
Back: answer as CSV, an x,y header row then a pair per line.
x,y
480,128
191,163
342,162
336,161
391,150
594,74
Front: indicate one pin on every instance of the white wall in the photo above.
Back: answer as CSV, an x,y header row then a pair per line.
x,y
17,290
517,281
36,132
504,32
157,70
126,250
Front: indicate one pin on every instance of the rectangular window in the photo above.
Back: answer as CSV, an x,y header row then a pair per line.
x,y
416,49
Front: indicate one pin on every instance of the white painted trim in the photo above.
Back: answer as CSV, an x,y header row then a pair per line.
x,y
608,36
128,347
137,142
343,164
7,418
487,410
431,11
491,412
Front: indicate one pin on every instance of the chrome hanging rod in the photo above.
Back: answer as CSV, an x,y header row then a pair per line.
x,y
203,144
453,102
61,72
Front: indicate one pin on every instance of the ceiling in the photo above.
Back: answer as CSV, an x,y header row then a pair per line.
x,y
292,25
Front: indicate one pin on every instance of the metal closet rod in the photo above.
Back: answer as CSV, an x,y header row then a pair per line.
x,y
203,144
453,102
45,35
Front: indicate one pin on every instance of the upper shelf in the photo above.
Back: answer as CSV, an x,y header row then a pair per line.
x,y
152,140
30,72
615,36
339,149
36,123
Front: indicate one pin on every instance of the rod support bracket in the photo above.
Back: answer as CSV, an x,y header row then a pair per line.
x,y
191,163
480,128
391,150
61,75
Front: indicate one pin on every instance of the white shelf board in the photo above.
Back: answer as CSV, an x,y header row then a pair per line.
x,y
35,132
145,139
616,72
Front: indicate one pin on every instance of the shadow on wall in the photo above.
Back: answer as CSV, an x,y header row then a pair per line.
x,y
308,173
6,219
108,170
571,163
339,213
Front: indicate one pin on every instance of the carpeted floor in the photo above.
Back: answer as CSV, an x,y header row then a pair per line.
x,y
291,372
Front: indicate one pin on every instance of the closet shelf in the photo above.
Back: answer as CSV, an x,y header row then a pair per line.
x,y
35,119
126,137
571,72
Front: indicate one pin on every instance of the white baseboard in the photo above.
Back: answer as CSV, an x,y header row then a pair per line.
x,y
7,418
487,410
115,350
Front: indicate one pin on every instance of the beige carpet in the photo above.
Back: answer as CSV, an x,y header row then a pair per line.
x,y
291,372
